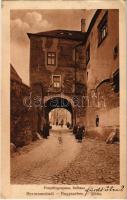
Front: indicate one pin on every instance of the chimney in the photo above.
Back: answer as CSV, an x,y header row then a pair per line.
x,y
83,24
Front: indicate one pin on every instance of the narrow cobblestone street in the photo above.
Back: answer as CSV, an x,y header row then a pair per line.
x,y
60,159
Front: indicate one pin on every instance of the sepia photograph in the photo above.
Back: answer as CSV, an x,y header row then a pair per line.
x,y
63,108
64,96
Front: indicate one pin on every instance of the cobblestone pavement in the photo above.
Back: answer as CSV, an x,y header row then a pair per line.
x,y
62,160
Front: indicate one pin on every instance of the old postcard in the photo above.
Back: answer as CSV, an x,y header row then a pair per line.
x,y
63,100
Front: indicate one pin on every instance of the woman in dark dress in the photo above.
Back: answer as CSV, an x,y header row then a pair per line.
x,y
83,131
46,130
80,133
75,129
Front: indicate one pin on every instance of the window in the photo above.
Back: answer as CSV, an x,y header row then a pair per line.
x,y
51,58
87,54
103,28
56,81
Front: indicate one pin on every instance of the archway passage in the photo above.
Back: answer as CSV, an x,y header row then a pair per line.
x,y
58,115
61,104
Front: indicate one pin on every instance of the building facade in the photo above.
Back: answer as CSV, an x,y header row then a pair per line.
x,y
53,66
101,49
80,67
102,67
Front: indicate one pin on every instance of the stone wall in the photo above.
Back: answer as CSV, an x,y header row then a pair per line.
x,y
106,106
20,131
106,117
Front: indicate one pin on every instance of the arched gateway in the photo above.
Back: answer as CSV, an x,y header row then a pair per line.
x,y
58,102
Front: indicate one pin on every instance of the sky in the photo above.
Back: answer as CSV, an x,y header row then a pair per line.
x,y
33,21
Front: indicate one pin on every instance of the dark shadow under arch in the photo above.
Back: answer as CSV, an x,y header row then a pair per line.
x,y
58,102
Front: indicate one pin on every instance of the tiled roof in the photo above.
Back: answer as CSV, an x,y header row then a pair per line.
x,y
64,34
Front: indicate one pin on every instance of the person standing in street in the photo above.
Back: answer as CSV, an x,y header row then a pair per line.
x,y
46,130
83,130
79,132
75,129
61,123
97,120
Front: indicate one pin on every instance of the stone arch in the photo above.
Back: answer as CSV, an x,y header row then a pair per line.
x,y
103,81
58,102
61,96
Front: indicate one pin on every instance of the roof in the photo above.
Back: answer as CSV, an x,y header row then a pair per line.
x,y
69,34
63,34
14,75
98,11
93,20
